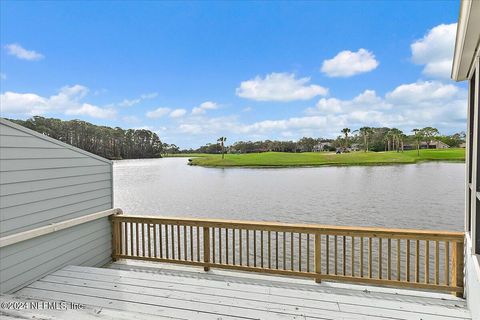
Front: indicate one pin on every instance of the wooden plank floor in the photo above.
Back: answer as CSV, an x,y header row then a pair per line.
x,y
159,291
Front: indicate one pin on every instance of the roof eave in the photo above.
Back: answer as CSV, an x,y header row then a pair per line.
x,y
468,35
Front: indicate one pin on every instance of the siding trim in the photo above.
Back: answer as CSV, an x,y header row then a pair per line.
x,y
22,236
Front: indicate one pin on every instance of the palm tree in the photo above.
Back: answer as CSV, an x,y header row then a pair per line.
x,y
418,137
222,143
395,134
365,132
346,131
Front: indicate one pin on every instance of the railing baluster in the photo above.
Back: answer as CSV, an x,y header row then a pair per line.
x,y
308,252
178,243
417,261
131,238
198,244
226,246
240,245
427,261
149,241
380,258
276,249
300,252
335,259
269,250
361,256
352,257
126,238
370,271
437,263
407,262
206,247
398,259
291,251
166,242
213,244
261,248
234,251
327,253
142,227
254,248
389,259
447,263
185,248
248,246
160,236
137,243
155,245
191,243
172,230
284,251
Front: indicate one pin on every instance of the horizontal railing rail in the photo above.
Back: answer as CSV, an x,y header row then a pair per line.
x,y
404,258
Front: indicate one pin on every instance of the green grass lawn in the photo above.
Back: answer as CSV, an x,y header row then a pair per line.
x,y
282,159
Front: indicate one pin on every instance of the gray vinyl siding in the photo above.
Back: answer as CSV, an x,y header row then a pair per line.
x,y
44,181
87,244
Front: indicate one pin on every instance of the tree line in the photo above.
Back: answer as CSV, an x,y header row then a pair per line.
x,y
365,138
107,142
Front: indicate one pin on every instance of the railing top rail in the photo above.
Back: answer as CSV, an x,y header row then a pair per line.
x,y
302,228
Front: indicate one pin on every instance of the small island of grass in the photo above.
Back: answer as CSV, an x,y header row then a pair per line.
x,y
305,159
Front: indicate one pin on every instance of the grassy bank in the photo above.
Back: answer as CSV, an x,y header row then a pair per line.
x,y
280,159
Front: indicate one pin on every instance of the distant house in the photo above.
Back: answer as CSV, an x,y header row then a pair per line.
x,y
434,144
322,146
354,147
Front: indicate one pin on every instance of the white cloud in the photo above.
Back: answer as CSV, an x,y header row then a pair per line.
x,y
131,119
68,101
18,51
131,102
158,113
347,63
367,100
177,113
87,109
203,107
435,51
279,87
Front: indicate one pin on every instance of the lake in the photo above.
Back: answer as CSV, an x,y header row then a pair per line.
x,y
421,196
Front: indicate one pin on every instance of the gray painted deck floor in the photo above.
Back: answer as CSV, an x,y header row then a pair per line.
x,y
127,290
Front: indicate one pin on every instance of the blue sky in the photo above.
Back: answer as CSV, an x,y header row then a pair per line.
x,y
194,71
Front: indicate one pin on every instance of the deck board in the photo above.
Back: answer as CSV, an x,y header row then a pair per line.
x,y
187,293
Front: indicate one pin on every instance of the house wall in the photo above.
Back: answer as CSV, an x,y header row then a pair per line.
x,y
44,181
472,216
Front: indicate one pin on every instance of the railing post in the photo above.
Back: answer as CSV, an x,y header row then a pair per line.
x,y
206,247
318,254
457,267
116,237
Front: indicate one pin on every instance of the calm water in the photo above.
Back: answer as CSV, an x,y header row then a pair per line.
x,y
428,195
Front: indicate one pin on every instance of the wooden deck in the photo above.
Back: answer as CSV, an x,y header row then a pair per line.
x,y
143,290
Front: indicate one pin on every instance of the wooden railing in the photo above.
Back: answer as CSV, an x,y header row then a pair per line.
x,y
430,260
